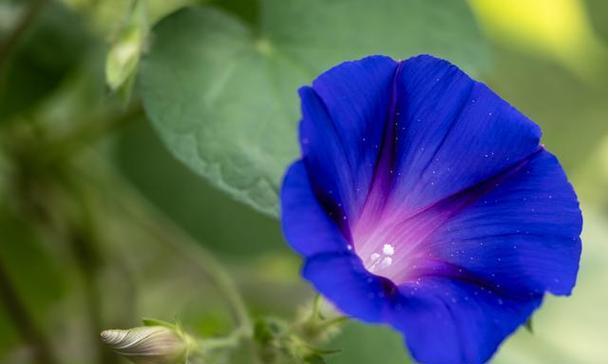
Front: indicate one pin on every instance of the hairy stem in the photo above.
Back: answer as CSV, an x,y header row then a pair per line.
x,y
23,322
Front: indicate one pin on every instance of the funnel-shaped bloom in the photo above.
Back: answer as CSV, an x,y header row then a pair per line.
x,y
424,201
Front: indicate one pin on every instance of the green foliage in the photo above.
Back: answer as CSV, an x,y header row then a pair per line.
x,y
219,84
571,113
157,322
597,12
209,216
7,332
39,282
573,329
48,51
298,342
123,57
369,344
222,91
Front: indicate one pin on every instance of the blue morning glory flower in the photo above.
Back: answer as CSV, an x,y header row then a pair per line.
x,y
426,202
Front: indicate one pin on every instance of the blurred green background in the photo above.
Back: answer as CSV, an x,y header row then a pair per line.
x,y
100,223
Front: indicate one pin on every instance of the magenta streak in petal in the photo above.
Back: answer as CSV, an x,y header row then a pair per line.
x,y
392,245
382,181
392,242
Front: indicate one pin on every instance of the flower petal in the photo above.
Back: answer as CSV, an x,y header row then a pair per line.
x,y
306,226
452,133
451,321
344,117
427,178
342,279
523,235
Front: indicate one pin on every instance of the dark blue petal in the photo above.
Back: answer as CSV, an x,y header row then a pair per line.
x,y
452,132
341,132
342,279
451,321
306,226
523,235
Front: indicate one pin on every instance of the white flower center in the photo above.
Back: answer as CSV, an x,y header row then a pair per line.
x,y
379,261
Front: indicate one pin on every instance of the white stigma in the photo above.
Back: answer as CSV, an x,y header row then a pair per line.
x,y
386,262
382,261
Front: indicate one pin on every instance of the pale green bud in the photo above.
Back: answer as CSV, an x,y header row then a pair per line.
x,y
123,57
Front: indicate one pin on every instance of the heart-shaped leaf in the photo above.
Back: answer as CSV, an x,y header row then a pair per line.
x,y
222,92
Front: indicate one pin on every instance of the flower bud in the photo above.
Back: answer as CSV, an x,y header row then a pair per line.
x,y
149,344
123,57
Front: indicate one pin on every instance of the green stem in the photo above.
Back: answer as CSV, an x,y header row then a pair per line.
x,y
22,320
26,20
333,321
85,256
316,307
88,263
315,324
82,236
231,341
204,260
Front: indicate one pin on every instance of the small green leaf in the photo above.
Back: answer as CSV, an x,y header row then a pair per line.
x,y
267,329
314,359
157,322
123,57
529,326
222,92
320,351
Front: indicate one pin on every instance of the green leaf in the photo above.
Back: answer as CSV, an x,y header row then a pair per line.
x,y
246,10
314,359
197,207
222,92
